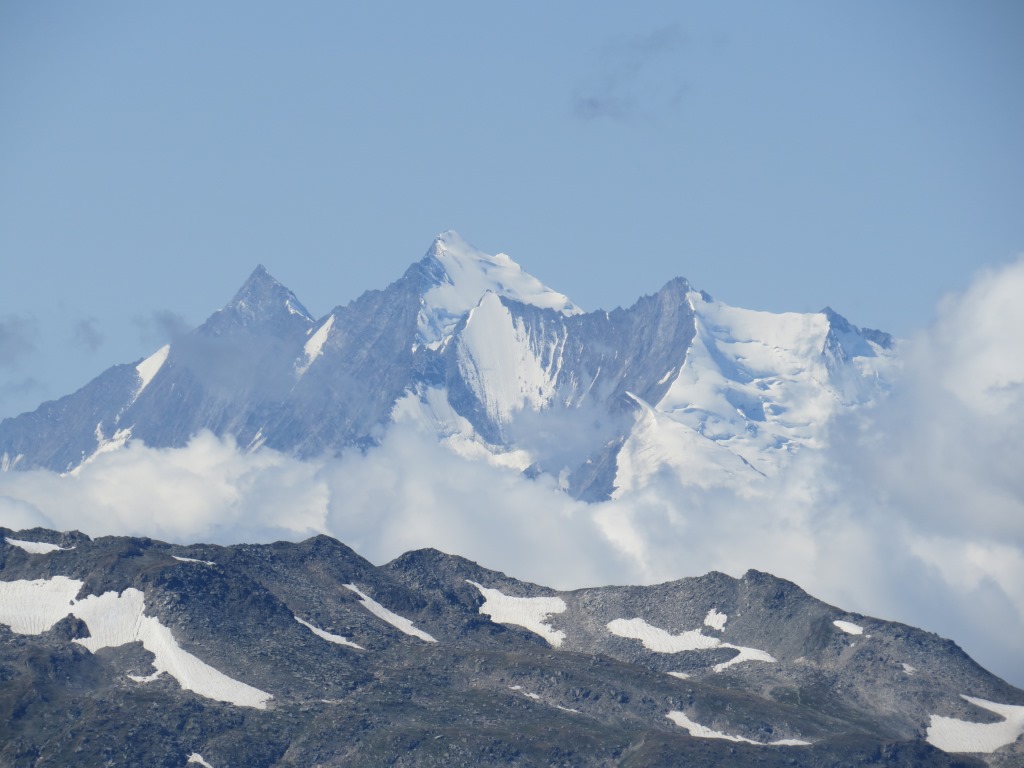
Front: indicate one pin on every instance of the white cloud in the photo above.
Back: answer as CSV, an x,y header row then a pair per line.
x,y
915,511
209,491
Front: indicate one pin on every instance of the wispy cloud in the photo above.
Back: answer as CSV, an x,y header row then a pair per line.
x,y
19,388
17,339
915,511
634,75
161,327
87,334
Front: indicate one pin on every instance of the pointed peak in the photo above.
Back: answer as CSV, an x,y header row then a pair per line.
x,y
450,237
258,280
457,276
450,249
840,326
681,286
835,319
262,298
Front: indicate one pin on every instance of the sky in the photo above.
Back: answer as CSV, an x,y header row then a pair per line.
x,y
782,156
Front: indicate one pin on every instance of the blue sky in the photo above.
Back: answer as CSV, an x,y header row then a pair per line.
x,y
782,156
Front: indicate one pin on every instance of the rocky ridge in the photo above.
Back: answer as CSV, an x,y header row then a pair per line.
x,y
434,660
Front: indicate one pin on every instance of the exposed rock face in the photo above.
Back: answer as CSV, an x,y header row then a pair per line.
x,y
705,671
477,350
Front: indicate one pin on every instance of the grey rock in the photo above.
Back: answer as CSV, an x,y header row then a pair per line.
x,y
484,693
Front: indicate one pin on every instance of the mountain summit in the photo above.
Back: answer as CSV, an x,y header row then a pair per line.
x,y
262,300
458,276
475,349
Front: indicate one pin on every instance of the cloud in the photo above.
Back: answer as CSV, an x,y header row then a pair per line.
x,y
17,339
87,335
20,388
161,327
634,76
914,512
208,491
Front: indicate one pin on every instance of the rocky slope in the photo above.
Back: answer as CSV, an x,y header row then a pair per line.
x,y
121,651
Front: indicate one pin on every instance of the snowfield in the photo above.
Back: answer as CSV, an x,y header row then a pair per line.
x,y
715,620
35,547
314,347
754,388
658,640
530,613
703,732
192,560
338,639
398,622
849,627
150,367
496,359
952,735
32,607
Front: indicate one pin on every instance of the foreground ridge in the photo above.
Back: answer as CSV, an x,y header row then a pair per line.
x,y
306,653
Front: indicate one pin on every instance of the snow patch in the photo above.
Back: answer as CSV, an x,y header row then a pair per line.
x,y
327,635
531,613
501,365
952,735
195,757
146,678
103,445
32,607
519,689
703,732
7,463
398,622
314,346
908,669
849,627
296,309
658,640
680,675
193,560
715,620
149,368
37,547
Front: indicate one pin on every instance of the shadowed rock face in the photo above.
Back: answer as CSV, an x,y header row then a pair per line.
x,y
511,359
753,659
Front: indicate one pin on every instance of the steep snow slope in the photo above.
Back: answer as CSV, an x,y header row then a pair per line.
x,y
759,385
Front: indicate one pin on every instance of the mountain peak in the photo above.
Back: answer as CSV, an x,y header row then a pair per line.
x,y
842,327
262,292
458,275
260,300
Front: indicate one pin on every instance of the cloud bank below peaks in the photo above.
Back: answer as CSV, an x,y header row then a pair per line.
x,y
914,511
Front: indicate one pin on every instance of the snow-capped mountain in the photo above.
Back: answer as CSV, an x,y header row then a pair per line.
x,y
499,366
127,651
